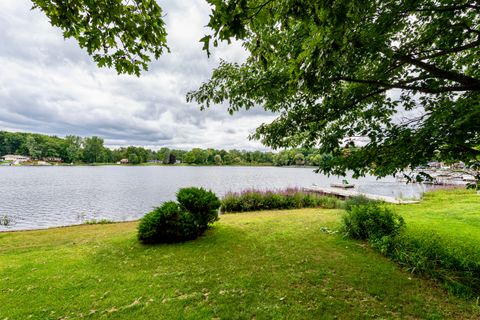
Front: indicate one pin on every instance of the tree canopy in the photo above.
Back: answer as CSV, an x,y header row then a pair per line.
x,y
75,149
124,34
403,74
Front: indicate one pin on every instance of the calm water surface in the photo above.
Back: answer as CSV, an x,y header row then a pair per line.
x,y
42,197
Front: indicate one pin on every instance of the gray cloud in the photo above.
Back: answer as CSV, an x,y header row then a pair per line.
x,y
49,85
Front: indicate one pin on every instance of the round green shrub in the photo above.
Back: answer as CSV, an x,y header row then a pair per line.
x,y
164,224
201,204
371,221
182,221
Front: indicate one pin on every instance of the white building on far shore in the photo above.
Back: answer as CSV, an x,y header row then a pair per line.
x,y
15,158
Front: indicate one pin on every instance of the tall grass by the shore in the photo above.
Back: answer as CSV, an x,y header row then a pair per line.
x,y
290,198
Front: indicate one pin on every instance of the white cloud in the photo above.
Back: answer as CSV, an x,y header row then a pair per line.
x,y
49,85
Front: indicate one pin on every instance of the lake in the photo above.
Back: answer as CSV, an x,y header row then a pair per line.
x,y
42,197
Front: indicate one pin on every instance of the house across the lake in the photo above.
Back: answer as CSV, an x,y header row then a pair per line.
x,y
123,161
15,158
53,159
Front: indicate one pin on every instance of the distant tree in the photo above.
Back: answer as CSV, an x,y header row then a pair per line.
x,y
12,143
234,157
196,156
166,157
218,159
172,159
73,149
160,154
178,154
210,155
282,158
314,159
133,159
299,159
107,155
189,158
92,149
118,154
33,148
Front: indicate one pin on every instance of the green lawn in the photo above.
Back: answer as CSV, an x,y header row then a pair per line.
x,y
268,265
455,214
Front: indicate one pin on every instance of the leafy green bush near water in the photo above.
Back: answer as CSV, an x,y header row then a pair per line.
x,y
201,205
357,201
371,222
255,200
186,220
425,253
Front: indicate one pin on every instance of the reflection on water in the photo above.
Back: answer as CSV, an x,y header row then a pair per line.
x,y
41,197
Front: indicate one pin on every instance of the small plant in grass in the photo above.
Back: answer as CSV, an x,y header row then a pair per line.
x,y
184,220
99,221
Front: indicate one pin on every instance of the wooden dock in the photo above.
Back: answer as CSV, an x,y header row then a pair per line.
x,y
344,194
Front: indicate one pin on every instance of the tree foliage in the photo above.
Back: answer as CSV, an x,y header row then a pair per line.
x,y
93,149
75,149
403,74
124,34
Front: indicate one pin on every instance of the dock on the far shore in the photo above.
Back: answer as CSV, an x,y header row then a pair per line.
x,y
344,194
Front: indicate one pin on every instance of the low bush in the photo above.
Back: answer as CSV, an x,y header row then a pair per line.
x,y
356,201
371,221
255,200
163,224
100,221
176,222
201,204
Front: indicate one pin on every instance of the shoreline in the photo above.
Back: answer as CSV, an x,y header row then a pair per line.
x,y
66,226
156,165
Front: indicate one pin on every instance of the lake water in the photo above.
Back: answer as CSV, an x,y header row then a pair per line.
x,y
42,197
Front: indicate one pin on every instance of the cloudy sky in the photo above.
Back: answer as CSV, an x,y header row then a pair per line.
x,y
49,85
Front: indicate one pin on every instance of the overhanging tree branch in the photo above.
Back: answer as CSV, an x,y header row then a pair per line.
x,y
440,73
404,85
445,51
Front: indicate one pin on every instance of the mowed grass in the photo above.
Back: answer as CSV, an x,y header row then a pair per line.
x,y
259,265
453,214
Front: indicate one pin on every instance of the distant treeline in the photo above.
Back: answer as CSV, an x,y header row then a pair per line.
x,y
75,149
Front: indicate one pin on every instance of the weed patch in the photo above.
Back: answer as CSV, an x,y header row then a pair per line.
x,y
255,200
